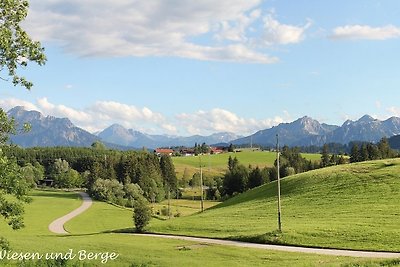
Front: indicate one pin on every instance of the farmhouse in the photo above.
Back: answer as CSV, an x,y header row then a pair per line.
x,y
187,152
216,150
164,151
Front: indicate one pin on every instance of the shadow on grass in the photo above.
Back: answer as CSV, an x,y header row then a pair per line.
x,y
55,194
272,238
121,231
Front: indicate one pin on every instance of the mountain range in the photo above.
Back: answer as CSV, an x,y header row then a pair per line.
x,y
128,137
307,132
52,131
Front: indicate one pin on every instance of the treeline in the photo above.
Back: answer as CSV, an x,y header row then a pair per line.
x,y
369,151
110,175
239,178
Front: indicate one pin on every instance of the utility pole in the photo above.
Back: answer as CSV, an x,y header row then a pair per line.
x,y
169,203
279,185
201,185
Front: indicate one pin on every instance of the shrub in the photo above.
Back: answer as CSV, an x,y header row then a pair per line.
x,y
142,215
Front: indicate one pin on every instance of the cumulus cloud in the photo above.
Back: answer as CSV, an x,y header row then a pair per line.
x,y
220,120
157,28
9,103
277,33
394,111
102,114
355,32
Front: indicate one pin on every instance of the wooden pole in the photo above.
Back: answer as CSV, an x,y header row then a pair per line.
x,y
279,185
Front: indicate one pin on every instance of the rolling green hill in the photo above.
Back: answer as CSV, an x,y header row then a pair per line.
x,y
217,164
90,232
354,206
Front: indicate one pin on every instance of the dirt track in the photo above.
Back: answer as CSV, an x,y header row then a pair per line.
x,y
57,226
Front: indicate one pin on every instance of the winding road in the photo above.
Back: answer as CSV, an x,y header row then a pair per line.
x,y
57,227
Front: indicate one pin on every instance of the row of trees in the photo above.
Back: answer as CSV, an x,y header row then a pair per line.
x,y
370,151
82,167
239,178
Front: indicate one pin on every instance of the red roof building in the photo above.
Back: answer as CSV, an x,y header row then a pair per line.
x,y
164,151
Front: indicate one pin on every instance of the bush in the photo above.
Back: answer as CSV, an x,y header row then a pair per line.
x,y
142,215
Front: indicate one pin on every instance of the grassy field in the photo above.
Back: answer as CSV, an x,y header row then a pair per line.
x,y
92,231
352,206
183,207
217,164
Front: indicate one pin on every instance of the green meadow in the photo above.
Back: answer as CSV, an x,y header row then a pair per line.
x,y
354,206
217,164
97,229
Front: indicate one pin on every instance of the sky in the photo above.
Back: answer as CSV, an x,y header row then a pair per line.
x,y
181,67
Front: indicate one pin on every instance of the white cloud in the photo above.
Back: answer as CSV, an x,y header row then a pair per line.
x,y
277,33
394,111
220,120
355,32
158,28
102,114
236,30
9,103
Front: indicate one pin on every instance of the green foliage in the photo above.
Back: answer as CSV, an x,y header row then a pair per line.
x,y
64,176
168,173
12,184
16,47
133,193
107,190
126,167
291,157
98,145
33,173
236,180
369,151
4,244
257,177
7,126
141,215
325,161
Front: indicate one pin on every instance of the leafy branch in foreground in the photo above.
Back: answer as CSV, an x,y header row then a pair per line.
x,y
16,47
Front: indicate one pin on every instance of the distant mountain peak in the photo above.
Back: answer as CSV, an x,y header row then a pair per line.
x,y
48,131
366,118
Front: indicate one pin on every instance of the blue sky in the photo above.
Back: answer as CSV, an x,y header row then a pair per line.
x,y
198,67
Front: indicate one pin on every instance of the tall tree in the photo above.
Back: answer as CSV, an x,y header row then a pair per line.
x,y
325,156
168,173
16,48
13,188
355,154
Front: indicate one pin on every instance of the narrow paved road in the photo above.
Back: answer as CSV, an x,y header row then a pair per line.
x,y
57,226
332,252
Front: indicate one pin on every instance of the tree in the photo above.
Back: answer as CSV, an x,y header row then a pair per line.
x,y
98,145
133,193
232,163
364,153
355,154
325,156
108,190
16,47
168,173
384,148
13,188
231,148
141,215
236,178
256,178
